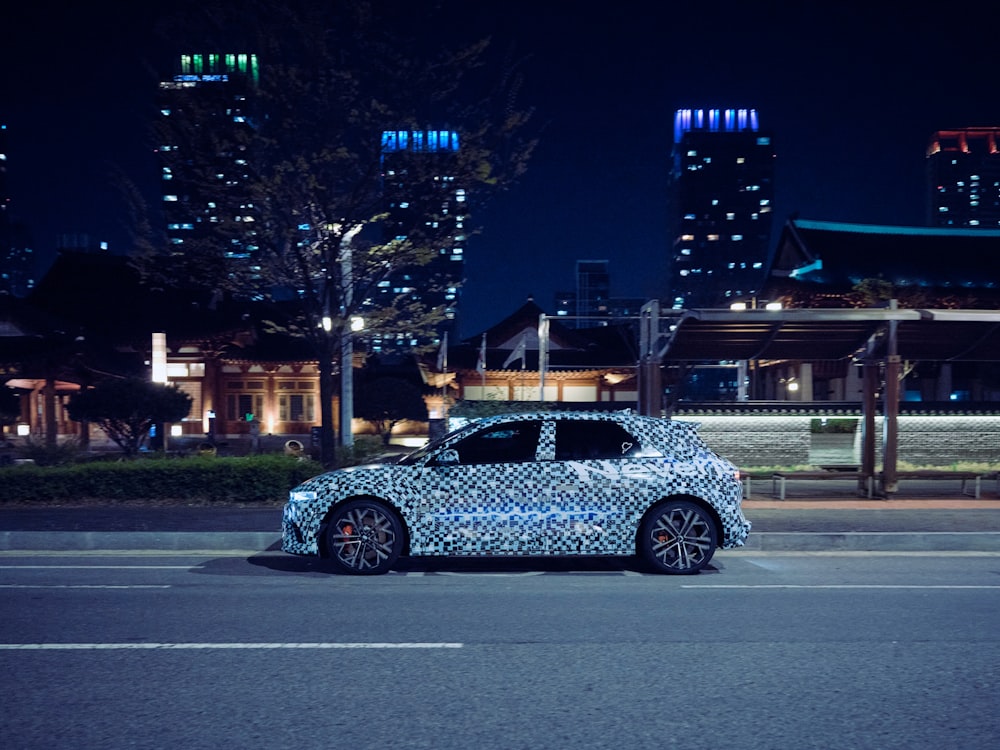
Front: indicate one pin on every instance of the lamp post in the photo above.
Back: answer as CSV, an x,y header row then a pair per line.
x,y
159,375
357,324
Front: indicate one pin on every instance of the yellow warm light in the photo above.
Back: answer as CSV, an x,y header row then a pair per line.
x,y
159,358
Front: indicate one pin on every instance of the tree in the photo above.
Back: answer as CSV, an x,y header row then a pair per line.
x,y
308,175
385,402
126,409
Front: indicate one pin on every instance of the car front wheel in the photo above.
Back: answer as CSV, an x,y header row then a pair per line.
x,y
677,537
364,537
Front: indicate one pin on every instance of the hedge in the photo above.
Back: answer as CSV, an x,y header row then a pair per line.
x,y
253,479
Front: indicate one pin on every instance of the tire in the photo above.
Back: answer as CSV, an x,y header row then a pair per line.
x,y
677,537
363,537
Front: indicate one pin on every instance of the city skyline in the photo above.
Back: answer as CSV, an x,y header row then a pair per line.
x,y
851,97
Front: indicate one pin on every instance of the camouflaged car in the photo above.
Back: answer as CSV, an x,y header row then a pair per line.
x,y
546,483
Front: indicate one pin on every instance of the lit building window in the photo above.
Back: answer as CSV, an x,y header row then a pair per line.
x,y
713,238
730,216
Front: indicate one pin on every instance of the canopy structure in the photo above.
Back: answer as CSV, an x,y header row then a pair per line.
x,y
875,337
831,334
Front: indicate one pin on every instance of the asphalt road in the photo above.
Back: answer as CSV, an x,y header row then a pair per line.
x,y
932,524
763,650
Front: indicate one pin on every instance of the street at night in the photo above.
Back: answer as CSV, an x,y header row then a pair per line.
x,y
763,650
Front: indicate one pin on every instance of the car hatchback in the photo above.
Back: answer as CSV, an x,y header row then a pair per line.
x,y
535,484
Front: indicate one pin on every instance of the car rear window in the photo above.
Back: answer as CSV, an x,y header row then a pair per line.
x,y
580,440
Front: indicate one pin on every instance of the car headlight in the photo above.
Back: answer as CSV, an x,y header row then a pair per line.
x,y
301,496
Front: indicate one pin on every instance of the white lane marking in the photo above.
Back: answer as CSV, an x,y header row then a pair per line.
x,y
832,586
204,646
80,586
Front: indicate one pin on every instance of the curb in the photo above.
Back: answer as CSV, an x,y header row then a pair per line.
x,y
872,541
89,541
775,541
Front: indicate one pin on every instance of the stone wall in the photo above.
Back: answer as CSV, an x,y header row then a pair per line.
x,y
782,440
940,440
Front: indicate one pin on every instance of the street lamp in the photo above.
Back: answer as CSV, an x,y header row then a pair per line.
x,y
356,324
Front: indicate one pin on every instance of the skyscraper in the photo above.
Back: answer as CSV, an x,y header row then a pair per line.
x,y
209,103
722,189
593,290
424,204
963,178
17,259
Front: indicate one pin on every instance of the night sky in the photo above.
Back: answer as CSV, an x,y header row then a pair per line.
x,y
851,94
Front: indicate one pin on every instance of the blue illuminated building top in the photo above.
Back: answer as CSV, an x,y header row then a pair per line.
x,y
714,120
423,141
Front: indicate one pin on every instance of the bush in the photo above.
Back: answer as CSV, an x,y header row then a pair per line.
x,y
44,455
196,481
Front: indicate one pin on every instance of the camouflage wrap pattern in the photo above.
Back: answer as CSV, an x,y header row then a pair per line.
x,y
539,507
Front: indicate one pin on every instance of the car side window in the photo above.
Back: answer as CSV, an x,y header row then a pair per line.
x,y
579,440
511,442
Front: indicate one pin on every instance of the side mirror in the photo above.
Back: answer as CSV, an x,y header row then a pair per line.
x,y
447,457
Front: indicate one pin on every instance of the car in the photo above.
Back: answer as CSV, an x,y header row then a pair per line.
x,y
529,484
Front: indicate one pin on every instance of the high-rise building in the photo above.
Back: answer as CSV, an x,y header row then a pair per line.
x,y
17,259
593,290
209,100
425,204
722,190
963,178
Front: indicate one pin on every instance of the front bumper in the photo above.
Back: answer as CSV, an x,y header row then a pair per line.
x,y
299,530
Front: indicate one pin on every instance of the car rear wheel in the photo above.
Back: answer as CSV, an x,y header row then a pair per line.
x,y
364,537
677,537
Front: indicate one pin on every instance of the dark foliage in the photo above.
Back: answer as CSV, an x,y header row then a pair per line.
x,y
126,409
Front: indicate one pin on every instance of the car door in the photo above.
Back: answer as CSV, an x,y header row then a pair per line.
x,y
594,473
479,493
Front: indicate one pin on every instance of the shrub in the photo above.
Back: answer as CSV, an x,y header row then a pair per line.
x,y
198,480
45,455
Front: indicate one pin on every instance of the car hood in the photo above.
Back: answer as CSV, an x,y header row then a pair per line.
x,y
367,474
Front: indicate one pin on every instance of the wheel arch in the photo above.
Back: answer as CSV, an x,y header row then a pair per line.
x,y
700,502
321,535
